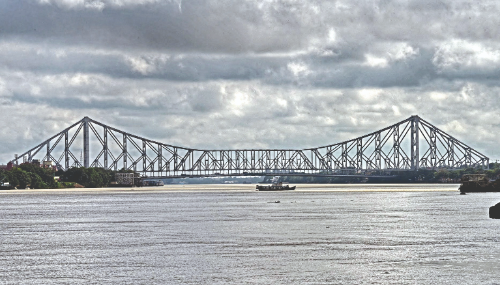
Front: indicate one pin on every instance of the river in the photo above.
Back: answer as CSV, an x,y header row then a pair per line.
x,y
232,234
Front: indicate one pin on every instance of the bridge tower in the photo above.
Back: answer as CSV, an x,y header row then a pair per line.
x,y
414,142
86,140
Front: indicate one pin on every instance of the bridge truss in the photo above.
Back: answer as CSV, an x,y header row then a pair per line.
x,y
411,144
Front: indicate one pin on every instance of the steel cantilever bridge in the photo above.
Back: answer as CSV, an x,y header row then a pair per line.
x,y
411,144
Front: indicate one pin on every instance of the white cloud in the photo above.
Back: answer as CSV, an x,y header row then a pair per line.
x,y
374,61
298,68
402,51
438,96
370,95
141,65
461,54
395,110
384,54
98,4
454,127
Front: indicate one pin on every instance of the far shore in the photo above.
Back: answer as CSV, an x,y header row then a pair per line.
x,y
247,188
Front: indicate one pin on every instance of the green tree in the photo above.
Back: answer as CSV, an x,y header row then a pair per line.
x,y
455,175
18,177
45,174
442,175
88,177
3,176
36,181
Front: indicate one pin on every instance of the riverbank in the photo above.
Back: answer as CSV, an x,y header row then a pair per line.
x,y
250,188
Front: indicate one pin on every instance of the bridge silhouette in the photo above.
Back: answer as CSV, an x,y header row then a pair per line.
x,y
411,144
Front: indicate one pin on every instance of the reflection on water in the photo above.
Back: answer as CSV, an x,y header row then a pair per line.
x,y
243,237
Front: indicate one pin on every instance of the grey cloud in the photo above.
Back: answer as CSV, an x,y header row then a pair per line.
x,y
248,26
226,74
325,73
201,25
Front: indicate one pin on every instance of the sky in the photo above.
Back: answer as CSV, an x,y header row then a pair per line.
x,y
248,74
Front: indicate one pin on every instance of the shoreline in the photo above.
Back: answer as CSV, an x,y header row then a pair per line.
x,y
436,187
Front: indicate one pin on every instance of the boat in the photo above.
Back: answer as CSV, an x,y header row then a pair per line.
x,y
478,183
276,185
5,185
495,211
152,183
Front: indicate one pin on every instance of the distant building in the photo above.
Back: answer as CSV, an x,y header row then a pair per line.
x,y
126,178
46,164
36,162
8,166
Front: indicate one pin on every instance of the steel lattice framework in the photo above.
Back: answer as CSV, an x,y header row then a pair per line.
x,y
411,144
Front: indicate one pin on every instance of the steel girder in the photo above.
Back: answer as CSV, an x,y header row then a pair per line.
x,y
411,144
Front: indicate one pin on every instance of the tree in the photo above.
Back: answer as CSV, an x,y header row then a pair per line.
x,y
36,181
88,177
18,177
3,176
442,175
46,175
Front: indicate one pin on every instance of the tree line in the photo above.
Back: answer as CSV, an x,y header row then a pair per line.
x,y
33,176
36,177
420,176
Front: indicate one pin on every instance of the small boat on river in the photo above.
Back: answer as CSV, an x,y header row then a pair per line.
x,y
275,186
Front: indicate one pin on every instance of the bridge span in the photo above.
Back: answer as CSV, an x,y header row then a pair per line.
x,y
411,144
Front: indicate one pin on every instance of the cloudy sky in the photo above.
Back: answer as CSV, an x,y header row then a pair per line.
x,y
248,74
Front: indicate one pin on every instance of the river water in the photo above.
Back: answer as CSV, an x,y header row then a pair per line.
x,y
231,234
